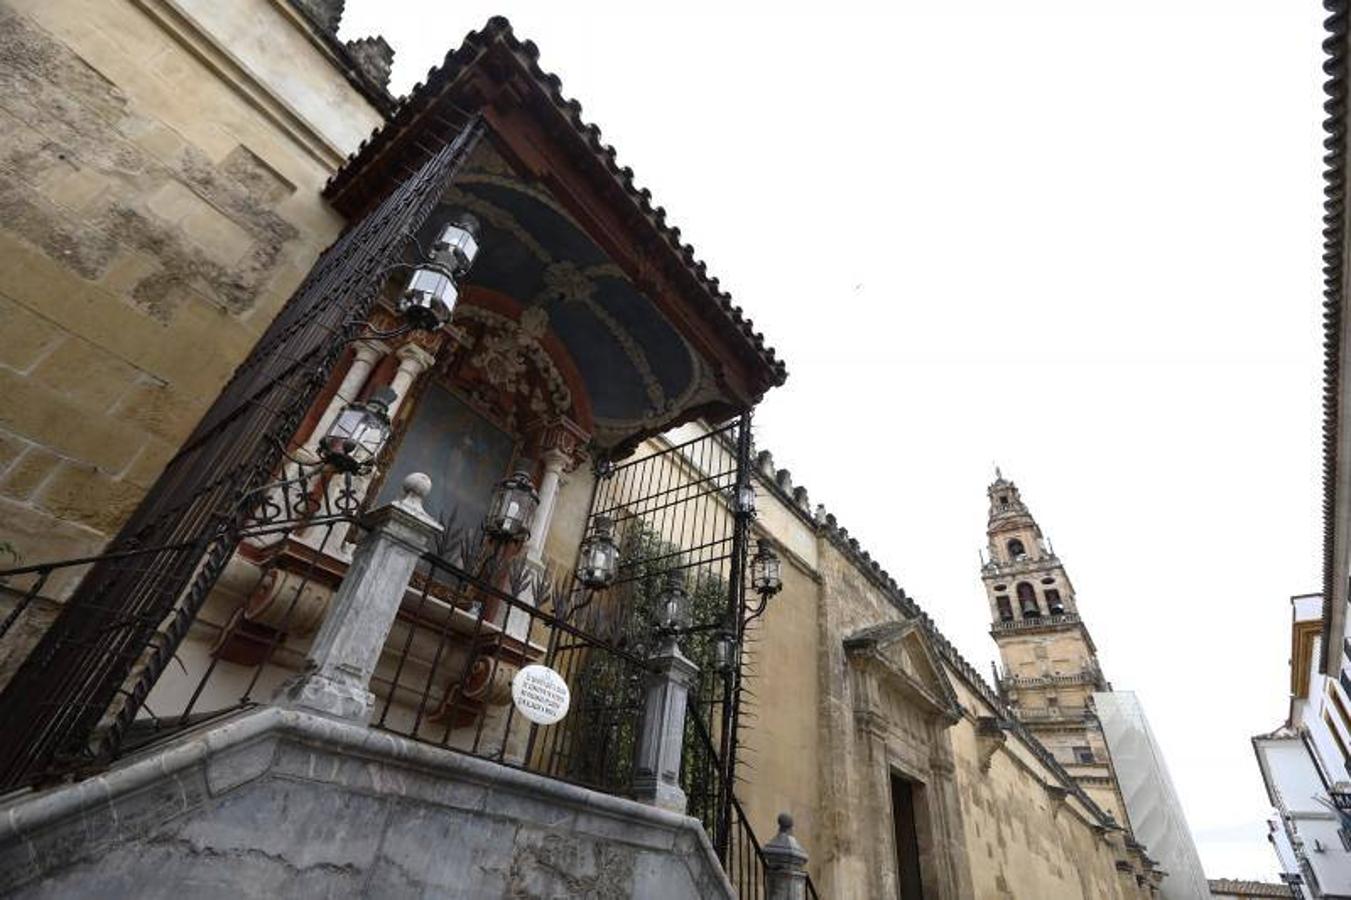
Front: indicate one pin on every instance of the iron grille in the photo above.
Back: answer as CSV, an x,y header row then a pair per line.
x,y
113,638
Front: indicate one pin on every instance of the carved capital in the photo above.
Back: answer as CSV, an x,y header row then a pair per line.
x,y
561,438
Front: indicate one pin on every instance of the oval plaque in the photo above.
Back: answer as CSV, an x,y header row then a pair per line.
x,y
540,694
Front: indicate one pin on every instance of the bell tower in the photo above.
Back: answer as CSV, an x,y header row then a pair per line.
x,y
1049,669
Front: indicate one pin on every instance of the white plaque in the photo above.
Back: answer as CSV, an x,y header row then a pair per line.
x,y
540,694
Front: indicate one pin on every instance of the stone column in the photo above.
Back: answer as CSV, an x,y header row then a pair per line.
x,y
661,738
347,648
785,864
555,461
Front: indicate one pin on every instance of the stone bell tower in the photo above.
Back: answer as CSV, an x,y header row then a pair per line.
x,y
1050,666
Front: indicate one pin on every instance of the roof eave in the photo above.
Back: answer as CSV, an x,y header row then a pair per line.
x,y
1334,295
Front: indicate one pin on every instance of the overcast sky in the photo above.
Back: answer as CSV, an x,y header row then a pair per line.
x,y
1077,239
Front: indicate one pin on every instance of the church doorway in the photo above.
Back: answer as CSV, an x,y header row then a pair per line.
x,y
904,801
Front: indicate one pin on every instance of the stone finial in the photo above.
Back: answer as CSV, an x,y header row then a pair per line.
x,y
374,57
416,487
785,864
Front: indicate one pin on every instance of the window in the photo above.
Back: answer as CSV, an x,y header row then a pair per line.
x,y
1053,602
1016,549
1053,701
1005,608
1003,499
1084,755
1027,601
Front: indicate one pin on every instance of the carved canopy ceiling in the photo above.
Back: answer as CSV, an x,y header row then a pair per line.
x,y
551,325
652,337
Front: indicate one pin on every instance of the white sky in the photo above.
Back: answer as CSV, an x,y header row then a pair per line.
x,y
1076,238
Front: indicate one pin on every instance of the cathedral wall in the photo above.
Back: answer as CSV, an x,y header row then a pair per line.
x,y
159,201
1021,841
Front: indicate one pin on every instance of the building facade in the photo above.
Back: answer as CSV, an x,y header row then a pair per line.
x,y
196,190
1304,767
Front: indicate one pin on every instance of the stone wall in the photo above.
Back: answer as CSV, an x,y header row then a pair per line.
x,y
1002,819
159,201
277,803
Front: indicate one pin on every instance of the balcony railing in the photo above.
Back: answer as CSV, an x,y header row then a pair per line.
x,y
1038,622
1028,564
1022,681
1052,713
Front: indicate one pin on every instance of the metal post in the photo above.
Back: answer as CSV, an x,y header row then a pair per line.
x,y
661,738
347,648
785,864
731,687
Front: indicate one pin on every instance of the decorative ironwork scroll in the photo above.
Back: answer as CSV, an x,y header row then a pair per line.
x,y
98,661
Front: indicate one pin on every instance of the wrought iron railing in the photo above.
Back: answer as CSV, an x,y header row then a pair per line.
x,y
240,642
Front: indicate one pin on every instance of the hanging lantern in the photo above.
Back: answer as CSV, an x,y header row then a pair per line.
x,y
512,509
673,603
458,244
725,651
357,434
599,554
429,300
766,579
745,499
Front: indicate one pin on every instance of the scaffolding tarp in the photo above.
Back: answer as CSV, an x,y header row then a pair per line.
x,y
1151,801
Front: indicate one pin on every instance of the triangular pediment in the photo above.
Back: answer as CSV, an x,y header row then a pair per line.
x,y
903,654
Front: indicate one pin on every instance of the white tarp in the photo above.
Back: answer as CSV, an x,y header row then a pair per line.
x,y
1151,802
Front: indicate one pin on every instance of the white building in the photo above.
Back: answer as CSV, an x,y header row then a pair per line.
x,y
1304,767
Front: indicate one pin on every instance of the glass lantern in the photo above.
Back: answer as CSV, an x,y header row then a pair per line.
x,y
357,434
673,603
725,651
765,570
599,554
429,299
457,245
745,499
512,509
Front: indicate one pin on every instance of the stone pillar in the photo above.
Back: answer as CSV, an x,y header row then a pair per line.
x,y
661,738
555,461
785,864
347,648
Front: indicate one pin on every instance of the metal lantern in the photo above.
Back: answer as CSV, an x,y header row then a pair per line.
x,y
673,603
725,651
357,434
745,499
765,570
599,555
458,244
512,509
429,299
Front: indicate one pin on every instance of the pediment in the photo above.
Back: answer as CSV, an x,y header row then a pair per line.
x,y
901,654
